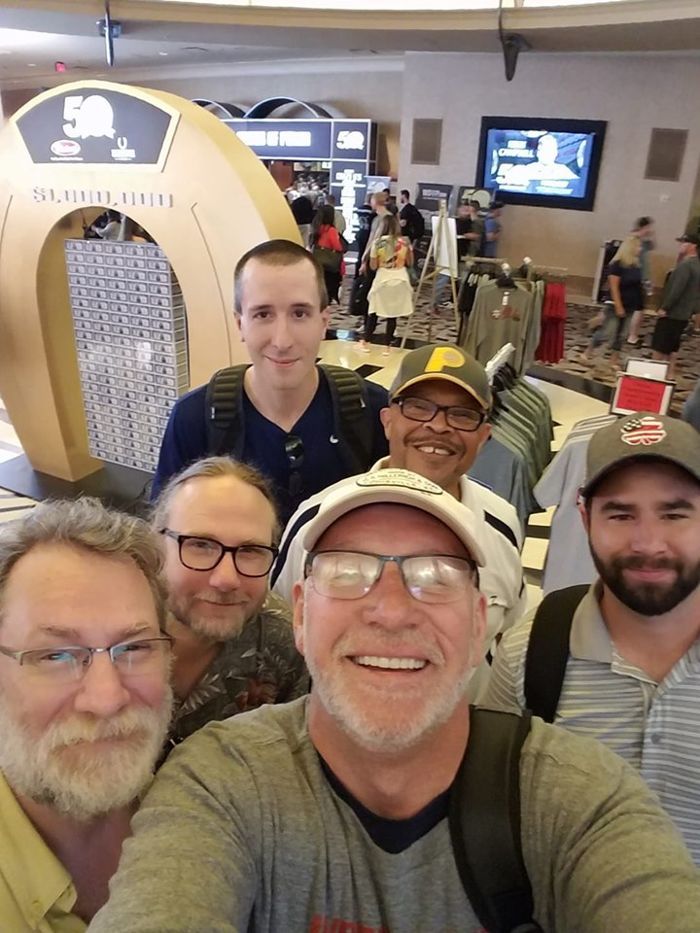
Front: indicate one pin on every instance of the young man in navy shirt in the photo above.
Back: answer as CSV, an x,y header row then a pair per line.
x,y
290,429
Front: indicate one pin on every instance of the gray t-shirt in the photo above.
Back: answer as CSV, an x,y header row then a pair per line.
x,y
241,831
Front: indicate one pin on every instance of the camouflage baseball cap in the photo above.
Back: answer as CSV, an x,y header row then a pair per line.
x,y
642,436
443,361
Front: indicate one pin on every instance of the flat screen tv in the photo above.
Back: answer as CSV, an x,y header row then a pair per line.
x,y
541,161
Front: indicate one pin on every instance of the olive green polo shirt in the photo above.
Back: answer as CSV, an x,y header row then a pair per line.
x,y
36,891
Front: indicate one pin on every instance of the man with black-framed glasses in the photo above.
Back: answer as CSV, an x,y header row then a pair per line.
x,y
436,424
84,705
234,648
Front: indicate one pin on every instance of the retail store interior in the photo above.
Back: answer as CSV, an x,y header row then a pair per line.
x,y
527,171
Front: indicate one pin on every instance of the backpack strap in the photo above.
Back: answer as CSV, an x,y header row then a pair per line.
x,y
224,408
352,416
484,820
548,650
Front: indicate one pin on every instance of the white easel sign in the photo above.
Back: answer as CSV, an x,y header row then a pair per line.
x,y
445,236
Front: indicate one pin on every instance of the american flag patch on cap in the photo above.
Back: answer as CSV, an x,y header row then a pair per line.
x,y
645,431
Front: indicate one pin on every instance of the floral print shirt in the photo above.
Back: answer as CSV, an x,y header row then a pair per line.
x,y
261,665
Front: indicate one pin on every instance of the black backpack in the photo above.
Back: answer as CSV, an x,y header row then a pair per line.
x,y
352,415
484,821
548,650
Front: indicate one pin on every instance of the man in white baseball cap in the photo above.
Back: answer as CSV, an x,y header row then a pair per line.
x,y
331,812
436,423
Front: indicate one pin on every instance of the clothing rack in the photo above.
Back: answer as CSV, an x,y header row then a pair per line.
x,y
552,272
486,261
499,360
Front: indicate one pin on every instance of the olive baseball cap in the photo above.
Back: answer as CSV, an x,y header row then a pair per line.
x,y
642,436
401,487
689,238
443,361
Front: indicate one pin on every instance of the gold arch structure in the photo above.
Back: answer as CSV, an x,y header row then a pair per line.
x,y
173,168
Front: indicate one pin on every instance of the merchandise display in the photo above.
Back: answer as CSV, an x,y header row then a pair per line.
x,y
504,310
568,560
519,449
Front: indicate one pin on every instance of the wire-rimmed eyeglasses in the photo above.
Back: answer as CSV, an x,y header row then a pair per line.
x,y
429,578
64,664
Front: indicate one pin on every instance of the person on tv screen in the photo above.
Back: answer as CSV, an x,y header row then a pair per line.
x,y
546,172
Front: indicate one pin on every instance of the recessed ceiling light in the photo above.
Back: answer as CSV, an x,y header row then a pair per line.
x,y
163,53
31,64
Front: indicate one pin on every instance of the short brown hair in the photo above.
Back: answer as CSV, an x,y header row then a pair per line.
x,y
86,524
212,467
277,253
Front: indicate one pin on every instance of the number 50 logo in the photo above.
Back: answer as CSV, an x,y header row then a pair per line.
x,y
88,116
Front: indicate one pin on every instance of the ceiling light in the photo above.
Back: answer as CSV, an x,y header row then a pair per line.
x,y
163,53
31,64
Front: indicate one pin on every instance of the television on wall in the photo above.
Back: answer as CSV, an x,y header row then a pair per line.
x,y
541,161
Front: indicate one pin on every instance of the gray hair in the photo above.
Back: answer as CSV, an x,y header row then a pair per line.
x,y
212,467
85,523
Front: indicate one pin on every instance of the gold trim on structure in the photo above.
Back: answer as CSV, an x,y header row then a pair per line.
x,y
209,201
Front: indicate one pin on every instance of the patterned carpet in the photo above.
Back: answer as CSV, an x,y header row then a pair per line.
x,y
439,325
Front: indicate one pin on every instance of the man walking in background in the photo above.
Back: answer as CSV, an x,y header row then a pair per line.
x,y
679,302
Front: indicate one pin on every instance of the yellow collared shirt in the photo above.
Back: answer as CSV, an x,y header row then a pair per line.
x,y
36,891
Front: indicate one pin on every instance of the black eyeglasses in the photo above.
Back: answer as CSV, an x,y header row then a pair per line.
x,y
250,560
294,451
420,409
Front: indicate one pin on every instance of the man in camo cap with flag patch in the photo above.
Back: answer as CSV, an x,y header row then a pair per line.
x,y
627,670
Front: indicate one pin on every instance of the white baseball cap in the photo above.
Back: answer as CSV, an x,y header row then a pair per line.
x,y
400,487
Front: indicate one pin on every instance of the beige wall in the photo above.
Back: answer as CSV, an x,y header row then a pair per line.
x,y
632,92
359,94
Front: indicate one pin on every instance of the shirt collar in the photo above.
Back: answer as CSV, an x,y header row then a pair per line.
x,y
590,639
37,879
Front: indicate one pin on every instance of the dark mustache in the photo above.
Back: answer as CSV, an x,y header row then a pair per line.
x,y
645,563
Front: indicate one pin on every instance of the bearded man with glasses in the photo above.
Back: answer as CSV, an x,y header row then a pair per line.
x,y
234,648
436,424
331,813
84,705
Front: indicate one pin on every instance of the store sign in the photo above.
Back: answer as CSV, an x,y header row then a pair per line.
x,y
469,193
352,139
637,393
349,185
347,146
430,194
285,139
97,127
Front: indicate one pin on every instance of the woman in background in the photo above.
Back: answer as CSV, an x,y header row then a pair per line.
x,y
391,295
327,249
627,297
